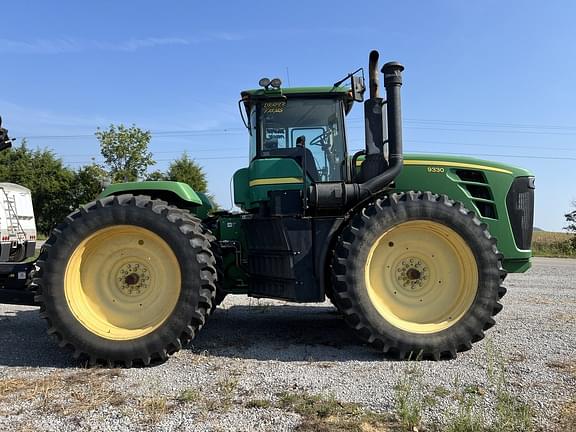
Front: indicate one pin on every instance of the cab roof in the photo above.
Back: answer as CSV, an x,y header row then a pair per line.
x,y
336,91
272,93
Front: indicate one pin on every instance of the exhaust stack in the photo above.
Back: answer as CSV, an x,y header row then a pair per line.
x,y
392,82
374,125
377,172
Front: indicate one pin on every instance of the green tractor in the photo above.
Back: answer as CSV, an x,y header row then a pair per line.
x,y
411,249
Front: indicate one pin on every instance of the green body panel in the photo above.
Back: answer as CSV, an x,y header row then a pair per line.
x,y
229,230
182,190
437,173
424,172
241,189
252,184
177,193
203,210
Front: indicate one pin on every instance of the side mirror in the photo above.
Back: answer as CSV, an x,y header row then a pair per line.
x,y
358,88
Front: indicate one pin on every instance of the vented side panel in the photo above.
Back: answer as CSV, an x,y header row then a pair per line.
x,y
520,205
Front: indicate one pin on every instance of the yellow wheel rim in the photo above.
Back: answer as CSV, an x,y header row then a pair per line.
x,y
122,282
421,276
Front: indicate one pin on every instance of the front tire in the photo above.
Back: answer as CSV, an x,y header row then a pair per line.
x,y
126,280
417,276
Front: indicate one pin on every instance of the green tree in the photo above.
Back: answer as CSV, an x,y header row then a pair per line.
x,y
47,178
156,175
87,184
571,227
125,151
186,170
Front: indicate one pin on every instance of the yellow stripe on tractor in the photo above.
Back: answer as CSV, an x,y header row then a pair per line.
x,y
450,164
275,181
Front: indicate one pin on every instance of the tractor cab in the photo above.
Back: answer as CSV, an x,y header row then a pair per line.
x,y
297,138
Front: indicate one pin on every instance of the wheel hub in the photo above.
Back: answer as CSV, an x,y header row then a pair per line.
x,y
412,273
133,279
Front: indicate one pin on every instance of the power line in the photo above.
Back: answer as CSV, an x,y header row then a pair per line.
x,y
476,123
99,160
525,147
498,155
234,130
354,150
166,134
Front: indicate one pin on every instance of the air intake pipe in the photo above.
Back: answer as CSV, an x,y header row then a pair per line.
x,y
343,196
392,82
375,128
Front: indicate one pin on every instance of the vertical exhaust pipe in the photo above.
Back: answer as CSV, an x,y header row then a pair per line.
x,y
374,128
392,82
373,74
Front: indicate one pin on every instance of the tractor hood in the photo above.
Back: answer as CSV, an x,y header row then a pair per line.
x,y
434,161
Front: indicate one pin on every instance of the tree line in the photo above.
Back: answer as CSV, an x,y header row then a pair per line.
x,y
58,189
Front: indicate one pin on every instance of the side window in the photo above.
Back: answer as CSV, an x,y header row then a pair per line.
x,y
314,144
274,138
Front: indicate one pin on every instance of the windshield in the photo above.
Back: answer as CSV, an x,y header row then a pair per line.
x,y
307,130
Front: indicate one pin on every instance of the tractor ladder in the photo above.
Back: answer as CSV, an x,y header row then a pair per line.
x,y
13,226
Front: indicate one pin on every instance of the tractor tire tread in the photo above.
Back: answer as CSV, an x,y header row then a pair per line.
x,y
200,242
344,285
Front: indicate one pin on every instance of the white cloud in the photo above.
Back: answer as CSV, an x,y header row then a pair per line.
x,y
71,45
39,46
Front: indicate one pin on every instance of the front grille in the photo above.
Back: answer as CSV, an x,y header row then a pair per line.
x,y
520,205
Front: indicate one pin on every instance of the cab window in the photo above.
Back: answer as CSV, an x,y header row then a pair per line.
x,y
308,130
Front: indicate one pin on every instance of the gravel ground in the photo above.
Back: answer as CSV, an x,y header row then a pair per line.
x,y
252,350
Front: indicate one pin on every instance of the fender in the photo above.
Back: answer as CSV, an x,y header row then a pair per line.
x,y
177,193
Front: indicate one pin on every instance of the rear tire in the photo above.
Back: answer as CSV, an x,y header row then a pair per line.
x,y
218,299
126,280
417,275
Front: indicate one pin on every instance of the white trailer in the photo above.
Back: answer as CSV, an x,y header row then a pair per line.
x,y
17,223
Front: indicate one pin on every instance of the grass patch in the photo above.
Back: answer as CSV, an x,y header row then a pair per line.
x,y
409,404
258,403
413,398
226,389
326,414
552,244
154,408
65,394
189,396
513,415
440,391
466,420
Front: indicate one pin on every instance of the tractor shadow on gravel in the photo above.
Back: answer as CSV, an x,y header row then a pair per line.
x,y
24,342
288,333
282,333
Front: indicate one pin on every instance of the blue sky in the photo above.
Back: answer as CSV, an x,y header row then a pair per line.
x,y
488,78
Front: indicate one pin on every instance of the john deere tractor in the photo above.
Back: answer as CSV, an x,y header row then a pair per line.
x,y
411,249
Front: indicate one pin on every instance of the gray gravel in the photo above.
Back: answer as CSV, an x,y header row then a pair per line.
x,y
253,349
